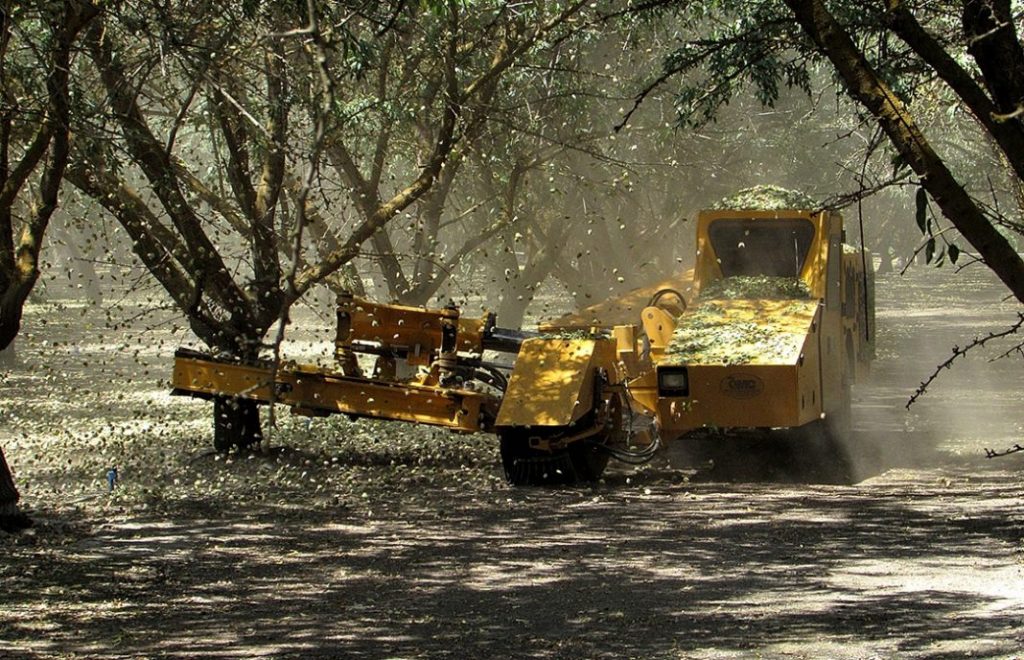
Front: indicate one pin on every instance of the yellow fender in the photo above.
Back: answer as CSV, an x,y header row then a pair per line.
x,y
553,381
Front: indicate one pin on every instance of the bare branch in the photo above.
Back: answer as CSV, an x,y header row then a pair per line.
x,y
1017,112
992,453
324,97
960,352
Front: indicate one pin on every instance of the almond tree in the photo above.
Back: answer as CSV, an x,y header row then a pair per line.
x,y
211,130
203,126
533,175
36,49
993,91
410,98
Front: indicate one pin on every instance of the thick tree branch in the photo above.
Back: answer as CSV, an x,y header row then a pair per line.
x,y
864,85
22,267
233,130
993,42
265,254
155,245
148,153
1008,135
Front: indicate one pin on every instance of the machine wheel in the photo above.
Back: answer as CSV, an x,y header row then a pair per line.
x,y
590,458
236,423
583,460
588,461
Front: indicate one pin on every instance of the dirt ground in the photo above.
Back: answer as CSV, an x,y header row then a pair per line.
x,y
357,539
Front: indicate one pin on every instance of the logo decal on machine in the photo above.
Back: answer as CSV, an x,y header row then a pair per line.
x,y
741,386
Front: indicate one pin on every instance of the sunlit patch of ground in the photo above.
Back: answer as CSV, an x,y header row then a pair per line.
x,y
385,540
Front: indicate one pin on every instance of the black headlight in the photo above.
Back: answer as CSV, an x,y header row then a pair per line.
x,y
673,381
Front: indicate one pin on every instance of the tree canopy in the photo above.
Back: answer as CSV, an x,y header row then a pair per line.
x,y
898,61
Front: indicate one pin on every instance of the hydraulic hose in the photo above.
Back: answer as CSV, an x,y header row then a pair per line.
x,y
631,457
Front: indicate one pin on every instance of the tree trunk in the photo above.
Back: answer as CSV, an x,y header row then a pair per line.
x,y
519,291
236,424
8,357
46,153
12,302
8,492
11,519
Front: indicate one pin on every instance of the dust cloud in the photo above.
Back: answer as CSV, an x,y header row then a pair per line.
x,y
972,406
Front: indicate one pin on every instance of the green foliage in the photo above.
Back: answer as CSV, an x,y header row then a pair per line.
x,y
936,247
759,46
921,209
739,44
23,96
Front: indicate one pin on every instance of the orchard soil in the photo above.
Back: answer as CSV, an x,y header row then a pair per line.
x,y
359,539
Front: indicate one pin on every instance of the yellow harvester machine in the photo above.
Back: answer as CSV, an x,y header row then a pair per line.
x,y
768,331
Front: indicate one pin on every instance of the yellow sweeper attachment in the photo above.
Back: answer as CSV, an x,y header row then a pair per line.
x,y
562,413
555,413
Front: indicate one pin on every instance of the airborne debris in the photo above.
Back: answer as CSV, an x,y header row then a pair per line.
x,y
569,335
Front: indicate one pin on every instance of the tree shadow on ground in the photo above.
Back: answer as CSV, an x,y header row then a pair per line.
x,y
659,571
924,563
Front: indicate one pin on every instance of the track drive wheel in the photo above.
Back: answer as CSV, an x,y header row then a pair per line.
x,y
236,423
583,460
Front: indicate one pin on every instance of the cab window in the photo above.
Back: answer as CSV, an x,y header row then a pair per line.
x,y
776,247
